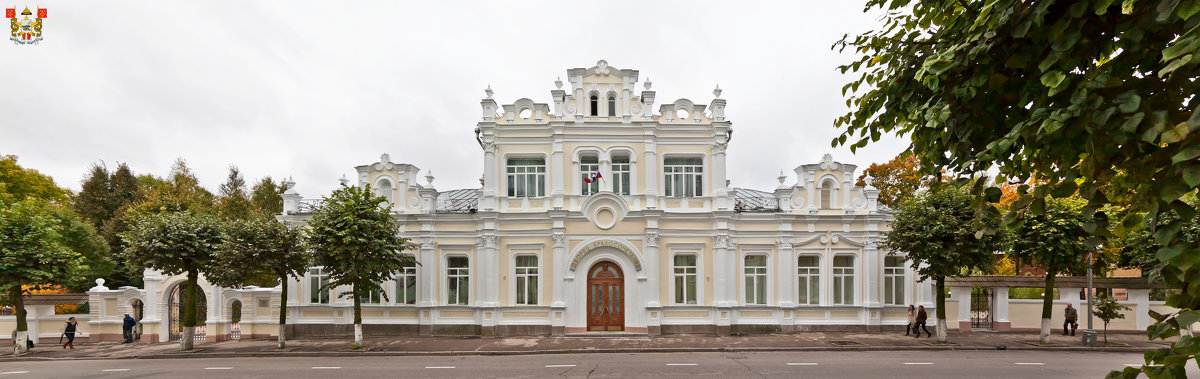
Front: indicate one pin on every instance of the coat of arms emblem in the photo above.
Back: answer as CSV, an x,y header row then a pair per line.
x,y
24,30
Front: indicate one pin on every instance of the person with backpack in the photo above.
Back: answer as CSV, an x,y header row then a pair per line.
x,y
69,331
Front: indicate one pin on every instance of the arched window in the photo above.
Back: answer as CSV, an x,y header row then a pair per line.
x,y
826,191
612,106
595,105
385,189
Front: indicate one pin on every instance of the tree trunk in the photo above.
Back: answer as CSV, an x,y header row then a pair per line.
x,y
941,309
283,280
21,334
189,311
358,336
1047,304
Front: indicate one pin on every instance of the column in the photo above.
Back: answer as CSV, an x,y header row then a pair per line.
x,y
1141,309
558,172
718,175
963,296
650,172
1000,322
491,178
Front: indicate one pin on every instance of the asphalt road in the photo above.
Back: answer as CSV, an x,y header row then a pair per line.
x,y
823,364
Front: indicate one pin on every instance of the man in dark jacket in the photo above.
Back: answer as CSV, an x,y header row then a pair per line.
x,y
1070,320
127,328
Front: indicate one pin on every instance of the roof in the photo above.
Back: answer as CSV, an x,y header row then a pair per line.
x,y
457,201
1059,282
748,200
56,299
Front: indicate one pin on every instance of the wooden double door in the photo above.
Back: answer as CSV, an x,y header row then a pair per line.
x,y
605,299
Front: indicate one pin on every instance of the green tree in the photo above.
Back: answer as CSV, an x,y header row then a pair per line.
x,y
32,253
352,234
176,242
234,203
79,236
942,235
260,247
897,179
18,183
102,201
1091,96
180,191
1108,309
1052,240
266,196
93,201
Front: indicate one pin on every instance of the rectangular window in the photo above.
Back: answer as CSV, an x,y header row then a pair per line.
x,y
620,170
406,285
526,177
527,279
458,281
318,280
589,166
685,279
808,278
373,296
683,177
893,281
843,280
756,279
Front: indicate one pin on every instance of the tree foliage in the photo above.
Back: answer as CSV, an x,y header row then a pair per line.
x,y
32,252
1108,309
897,179
102,201
18,183
234,203
266,196
1054,241
1095,97
352,234
180,191
942,235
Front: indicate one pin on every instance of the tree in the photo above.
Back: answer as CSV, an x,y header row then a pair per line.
x,y
32,253
234,203
353,236
176,242
80,237
18,183
181,191
1108,309
942,235
266,196
260,247
93,201
1095,97
1053,240
102,201
898,179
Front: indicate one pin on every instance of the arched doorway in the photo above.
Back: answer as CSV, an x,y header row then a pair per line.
x,y
606,300
235,319
175,313
139,310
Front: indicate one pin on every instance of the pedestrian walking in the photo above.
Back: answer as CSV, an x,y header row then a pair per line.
x,y
921,317
69,331
912,320
127,328
1070,319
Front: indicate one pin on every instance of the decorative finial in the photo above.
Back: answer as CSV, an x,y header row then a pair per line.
x,y
343,180
781,178
481,180
558,82
429,178
717,91
868,180
488,91
385,158
99,282
648,83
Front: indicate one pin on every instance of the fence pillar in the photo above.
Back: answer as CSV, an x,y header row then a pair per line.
x,y
1140,297
1000,322
963,296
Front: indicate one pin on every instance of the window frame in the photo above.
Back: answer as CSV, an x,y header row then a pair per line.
x,y
612,105
897,278
622,179
400,296
761,276
847,276
594,101
585,170
812,274
541,177
462,274
518,277
697,292
695,177
317,278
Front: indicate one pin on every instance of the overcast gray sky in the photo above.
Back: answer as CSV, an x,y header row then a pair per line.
x,y
312,89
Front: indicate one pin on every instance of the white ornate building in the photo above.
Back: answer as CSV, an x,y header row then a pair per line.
x,y
659,245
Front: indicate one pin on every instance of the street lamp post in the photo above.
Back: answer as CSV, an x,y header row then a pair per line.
x,y
1089,334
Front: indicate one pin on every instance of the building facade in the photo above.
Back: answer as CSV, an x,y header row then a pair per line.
x,y
601,211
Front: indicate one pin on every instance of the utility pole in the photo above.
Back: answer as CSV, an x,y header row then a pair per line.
x,y
1089,334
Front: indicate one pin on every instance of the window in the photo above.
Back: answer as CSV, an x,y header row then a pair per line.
x,y
373,296
595,105
808,278
385,190
620,173
612,106
527,279
843,280
458,280
683,176
893,280
589,166
685,279
406,285
826,191
317,281
756,279
526,177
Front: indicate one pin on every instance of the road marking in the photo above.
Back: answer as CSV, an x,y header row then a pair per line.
x,y
1029,363
115,370
549,366
218,368
326,367
14,372
918,363
801,364
681,364
439,366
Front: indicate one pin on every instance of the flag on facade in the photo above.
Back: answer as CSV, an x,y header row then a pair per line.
x,y
592,178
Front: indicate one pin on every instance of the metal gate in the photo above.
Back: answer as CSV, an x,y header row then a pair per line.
x,y
981,308
175,310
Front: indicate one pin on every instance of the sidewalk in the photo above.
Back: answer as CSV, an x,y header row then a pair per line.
x,y
399,345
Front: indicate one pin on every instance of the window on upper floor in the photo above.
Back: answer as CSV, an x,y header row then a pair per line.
x,y
612,106
588,167
826,192
683,177
620,173
527,279
594,105
526,177
756,279
384,188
